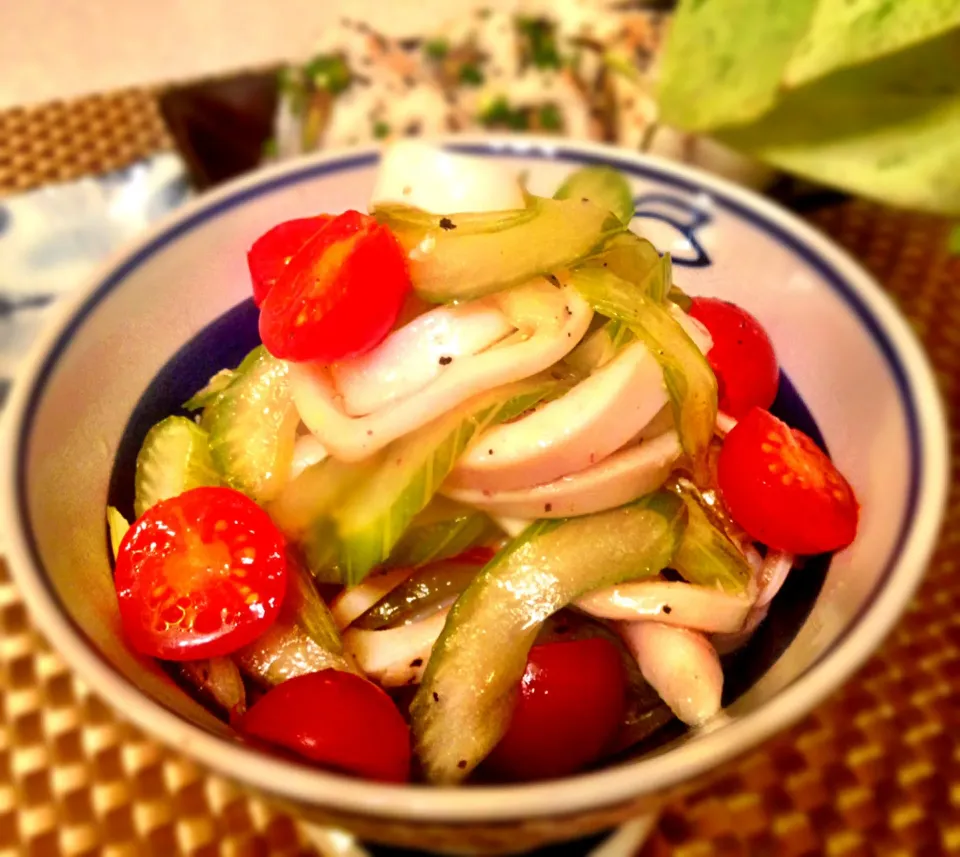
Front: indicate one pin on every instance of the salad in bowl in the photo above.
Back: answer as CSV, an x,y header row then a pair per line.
x,y
492,500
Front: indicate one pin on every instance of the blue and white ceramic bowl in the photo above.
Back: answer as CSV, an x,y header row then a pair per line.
x,y
860,373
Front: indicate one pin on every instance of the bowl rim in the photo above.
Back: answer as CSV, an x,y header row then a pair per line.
x,y
584,792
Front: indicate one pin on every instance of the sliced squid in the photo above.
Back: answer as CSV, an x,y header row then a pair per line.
x,y
670,603
776,566
556,325
395,656
441,182
726,644
616,480
416,354
681,665
593,420
582,427
307,451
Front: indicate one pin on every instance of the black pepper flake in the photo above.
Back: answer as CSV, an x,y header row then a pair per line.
x,y
548,507
569,335
436,696
568,310
604,264
416,662
667,609
550,278
445,361
447,223
489,452
462,764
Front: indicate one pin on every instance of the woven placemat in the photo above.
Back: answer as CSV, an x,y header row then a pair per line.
x,y
876,770
66,140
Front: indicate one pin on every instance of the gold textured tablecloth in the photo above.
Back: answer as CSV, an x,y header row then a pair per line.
x,y
875,770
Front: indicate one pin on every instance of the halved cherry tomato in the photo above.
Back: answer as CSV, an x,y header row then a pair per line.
x,y
271,252
340,294
338,719
200,575
742,356
570,708
783,490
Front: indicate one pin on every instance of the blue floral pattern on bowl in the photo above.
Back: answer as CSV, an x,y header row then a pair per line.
x,y
53,237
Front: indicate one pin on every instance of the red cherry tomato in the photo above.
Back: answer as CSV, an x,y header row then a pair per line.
x,y
340,294
742,356
781,488
571,705
200,575
271,252
337,719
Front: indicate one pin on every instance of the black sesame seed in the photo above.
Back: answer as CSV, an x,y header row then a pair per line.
x,y
489,452
436,696
445,361
416,662
667,609
447,223
462,764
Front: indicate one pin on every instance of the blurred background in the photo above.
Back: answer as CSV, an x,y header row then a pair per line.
x,y
113,113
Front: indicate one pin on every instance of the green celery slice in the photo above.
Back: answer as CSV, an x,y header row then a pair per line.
x,y
371,519
204,396
690,381
174,458
443,529
285,651
309,610
117,526
599,348
706,555
603,186
637,261
680,298
252,424
465,702
455,258
304,639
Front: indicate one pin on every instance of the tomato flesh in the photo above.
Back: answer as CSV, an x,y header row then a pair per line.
x,y
200,575
783,490
337,719
340,294
570,708
742,356
271,252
